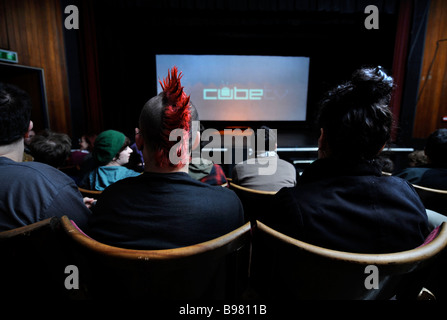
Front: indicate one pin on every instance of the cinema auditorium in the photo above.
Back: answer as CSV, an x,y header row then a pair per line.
x,y
230,155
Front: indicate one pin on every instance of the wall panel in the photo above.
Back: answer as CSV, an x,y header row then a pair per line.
x,y
432,103
34,31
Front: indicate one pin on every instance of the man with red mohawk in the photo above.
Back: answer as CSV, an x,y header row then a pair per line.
x,y
164,207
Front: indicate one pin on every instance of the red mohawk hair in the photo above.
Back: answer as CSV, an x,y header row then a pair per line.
x,y
176,115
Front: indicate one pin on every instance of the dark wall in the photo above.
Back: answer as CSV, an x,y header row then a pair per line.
x,y
331,33
33,29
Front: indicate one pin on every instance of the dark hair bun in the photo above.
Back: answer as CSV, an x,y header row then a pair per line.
x,y
373,82
356,117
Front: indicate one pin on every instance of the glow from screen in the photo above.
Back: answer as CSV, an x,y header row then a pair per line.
x,y
242,88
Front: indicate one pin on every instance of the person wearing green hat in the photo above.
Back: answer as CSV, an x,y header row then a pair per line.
x,y
111,152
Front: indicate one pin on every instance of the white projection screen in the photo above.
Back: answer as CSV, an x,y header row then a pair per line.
x,y
242,88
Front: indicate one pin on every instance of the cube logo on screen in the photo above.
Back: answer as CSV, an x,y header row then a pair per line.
x,y
242,88
235,93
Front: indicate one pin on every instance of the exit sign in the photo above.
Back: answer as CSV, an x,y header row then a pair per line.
x,y
8,56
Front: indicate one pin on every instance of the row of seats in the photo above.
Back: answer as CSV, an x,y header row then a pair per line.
x,y
255,200
433,199
56,259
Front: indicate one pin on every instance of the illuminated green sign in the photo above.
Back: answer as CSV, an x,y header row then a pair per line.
x,y
8,56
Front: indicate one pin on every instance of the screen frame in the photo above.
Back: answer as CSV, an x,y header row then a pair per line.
x,y
15,75
288,124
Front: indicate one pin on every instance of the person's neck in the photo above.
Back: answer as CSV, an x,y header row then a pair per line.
x,y
156,169
151,166
112,163
13,151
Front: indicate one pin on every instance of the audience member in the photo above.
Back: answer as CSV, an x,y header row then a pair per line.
x,y
30,191
111,153
81,157
247,173
28,139
84,157
164,207
51,148
87,142
136,161
207,171
342,201
434,173
27,152
386,163
417,158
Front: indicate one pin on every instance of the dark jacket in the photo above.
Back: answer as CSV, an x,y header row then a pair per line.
x,y
351,207
429,176
164,211
33,191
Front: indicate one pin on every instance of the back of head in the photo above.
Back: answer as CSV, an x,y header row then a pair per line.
x,y
90,140
15,113
436,147
168,111
108,145
266,139
51,148
355,116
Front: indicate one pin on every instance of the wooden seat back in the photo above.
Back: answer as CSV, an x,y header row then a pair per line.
x,y
433,199
208,270
33,261
255,202
288,268
89,193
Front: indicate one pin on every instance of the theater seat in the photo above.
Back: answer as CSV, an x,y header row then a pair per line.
x,y
209,270
237,187
286,268
89,193
33,259
255,202
433,199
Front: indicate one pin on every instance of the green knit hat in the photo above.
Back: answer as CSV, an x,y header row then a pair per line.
x,y
107,145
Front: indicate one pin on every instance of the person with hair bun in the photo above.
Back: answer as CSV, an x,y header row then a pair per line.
x,y
342,201
164,207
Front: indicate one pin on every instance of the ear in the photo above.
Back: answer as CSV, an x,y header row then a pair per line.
x,y
322,138
139,140
196,141
30,127
322,145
